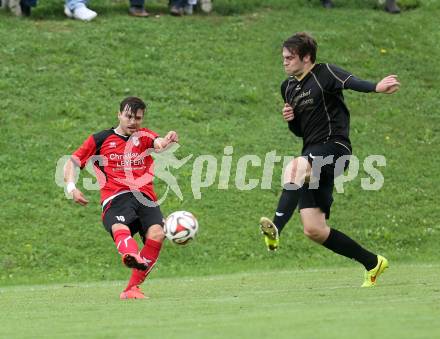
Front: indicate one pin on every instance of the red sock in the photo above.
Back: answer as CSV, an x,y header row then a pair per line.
x,y
150,252
137,278
124,242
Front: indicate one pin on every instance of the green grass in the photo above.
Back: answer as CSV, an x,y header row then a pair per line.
x,y
215,79
310,303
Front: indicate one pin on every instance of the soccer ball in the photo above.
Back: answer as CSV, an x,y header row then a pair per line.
x,y
180,227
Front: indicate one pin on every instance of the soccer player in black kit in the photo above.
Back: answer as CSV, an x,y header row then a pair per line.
x,y
315,111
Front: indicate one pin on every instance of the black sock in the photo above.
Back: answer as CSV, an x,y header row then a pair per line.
x,y
340,243
286,206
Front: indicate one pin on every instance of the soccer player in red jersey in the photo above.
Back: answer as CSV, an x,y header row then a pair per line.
x,y
123,164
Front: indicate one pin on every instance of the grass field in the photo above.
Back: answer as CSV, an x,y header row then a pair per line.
x,y
215,79
309,303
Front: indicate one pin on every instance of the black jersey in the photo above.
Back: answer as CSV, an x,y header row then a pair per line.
x,y
318,104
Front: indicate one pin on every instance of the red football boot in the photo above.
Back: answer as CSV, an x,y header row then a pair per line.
x,y
133,260
133,293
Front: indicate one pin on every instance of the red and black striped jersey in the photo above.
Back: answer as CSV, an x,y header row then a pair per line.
x,y
122,163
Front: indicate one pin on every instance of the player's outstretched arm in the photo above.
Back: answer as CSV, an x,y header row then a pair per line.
x,y
69,179
388,85
160,144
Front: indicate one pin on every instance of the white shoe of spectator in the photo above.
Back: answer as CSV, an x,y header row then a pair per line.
x,y
206,6
14,6
80,13
188,9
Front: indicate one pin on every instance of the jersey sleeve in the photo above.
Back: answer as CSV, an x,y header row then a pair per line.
x,y
360,85
149,137
337,77
341,79
84,152
294,125
283,90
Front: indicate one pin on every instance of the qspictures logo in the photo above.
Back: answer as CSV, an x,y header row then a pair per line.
x,y
209,171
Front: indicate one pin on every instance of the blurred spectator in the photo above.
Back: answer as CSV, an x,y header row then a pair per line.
x,y
77,9
137,8
189,7
206,6
177,7
181,7
19,8
327,3
390,5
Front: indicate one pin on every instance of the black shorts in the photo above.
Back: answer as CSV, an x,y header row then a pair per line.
x,y
127,210
325,165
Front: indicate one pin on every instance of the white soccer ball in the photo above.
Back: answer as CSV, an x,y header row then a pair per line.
x,y
180,227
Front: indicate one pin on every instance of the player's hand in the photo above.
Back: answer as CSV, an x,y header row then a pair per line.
x,y
388,85
160,144
288,114
171,137
79,197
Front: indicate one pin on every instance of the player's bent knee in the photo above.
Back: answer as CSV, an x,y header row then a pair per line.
x,y
155,232
117,227
311,232
316,232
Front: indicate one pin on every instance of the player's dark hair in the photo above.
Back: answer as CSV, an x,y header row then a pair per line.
x,y
134,103
302,43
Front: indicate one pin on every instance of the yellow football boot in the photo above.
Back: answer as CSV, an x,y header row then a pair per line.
x,y
372,275
270,232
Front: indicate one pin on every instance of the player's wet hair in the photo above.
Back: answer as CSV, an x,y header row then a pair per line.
x,y
302,43
133,103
